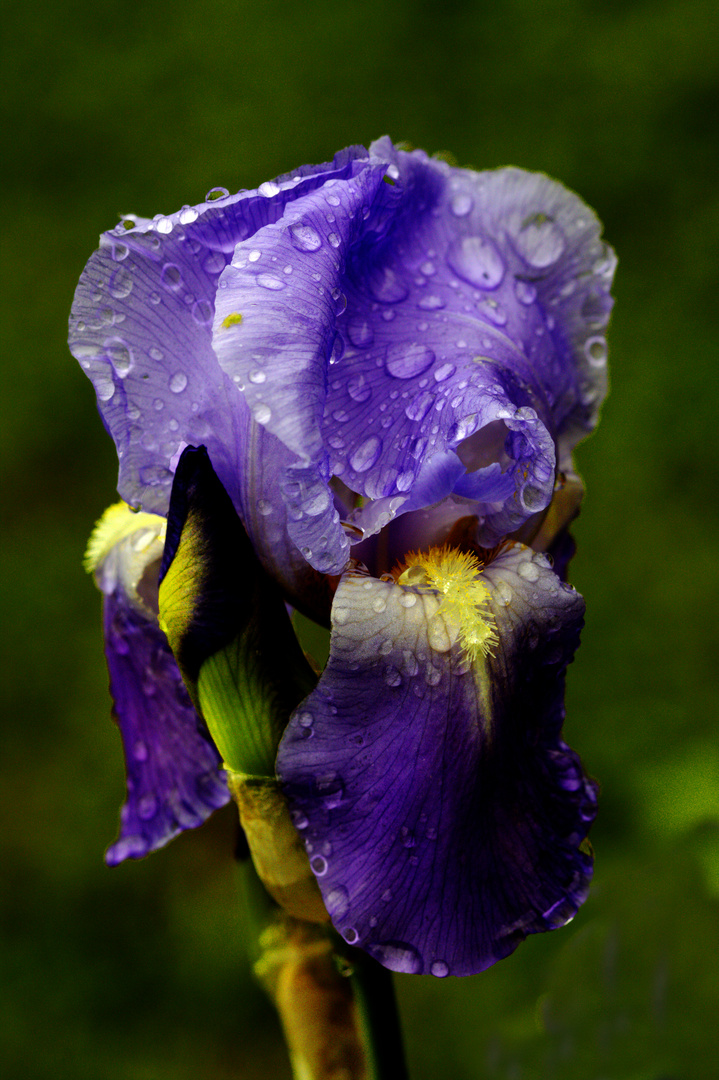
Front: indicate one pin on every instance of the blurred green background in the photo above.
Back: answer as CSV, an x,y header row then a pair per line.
x,y
111,107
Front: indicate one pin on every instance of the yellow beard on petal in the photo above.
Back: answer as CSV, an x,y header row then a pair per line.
x,y
456,575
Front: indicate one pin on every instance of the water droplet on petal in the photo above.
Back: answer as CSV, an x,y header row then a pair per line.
x,y
171,277
350,935
431,303
360,332
408,361
147,807
502,593
268,189
305,719
476,259
120,357
525,291
391,676
444,372
528,571
139,751
202,312
305,238
215,263
359,389
216,193
461,204
337,902
388,287
269,281
539,240
438,635
397,956
595,351
319,865
432,675
257,376
408,599
178,382
120,284
262,413
439,969
366,454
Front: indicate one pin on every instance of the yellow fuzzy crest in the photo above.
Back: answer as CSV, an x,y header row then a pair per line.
x,y
465,595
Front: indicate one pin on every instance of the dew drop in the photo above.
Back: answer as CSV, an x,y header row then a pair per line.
x,y
139,751
392,676
120,284
438,635
269,281
502,593
188,214
262,413
319,865
595,351
215,263
476,260
528,571
525,291
444,372
337,902
408,599
350,935
257,376
305,238
408,361
439,969
388,287
432,675
360,332
366,454
397,956
461,204
147,807
539,240
299,820
120,357
178,382
171,277
268,189
419,406
431,303
202,312
216,193
359,389
305,719
334,240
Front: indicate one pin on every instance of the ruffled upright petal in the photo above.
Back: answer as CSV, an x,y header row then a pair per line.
x,y
443,814
141,327
174,780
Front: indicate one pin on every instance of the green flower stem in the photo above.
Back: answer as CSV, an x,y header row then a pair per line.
x,y
379,1019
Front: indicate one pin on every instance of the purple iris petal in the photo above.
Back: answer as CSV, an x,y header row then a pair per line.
x,y
442,812
367,329
141,327
174,781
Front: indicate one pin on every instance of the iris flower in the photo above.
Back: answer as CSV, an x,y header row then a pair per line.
x,y
388,362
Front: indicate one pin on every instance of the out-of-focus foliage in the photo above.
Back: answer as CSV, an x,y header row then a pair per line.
x,y
109,107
